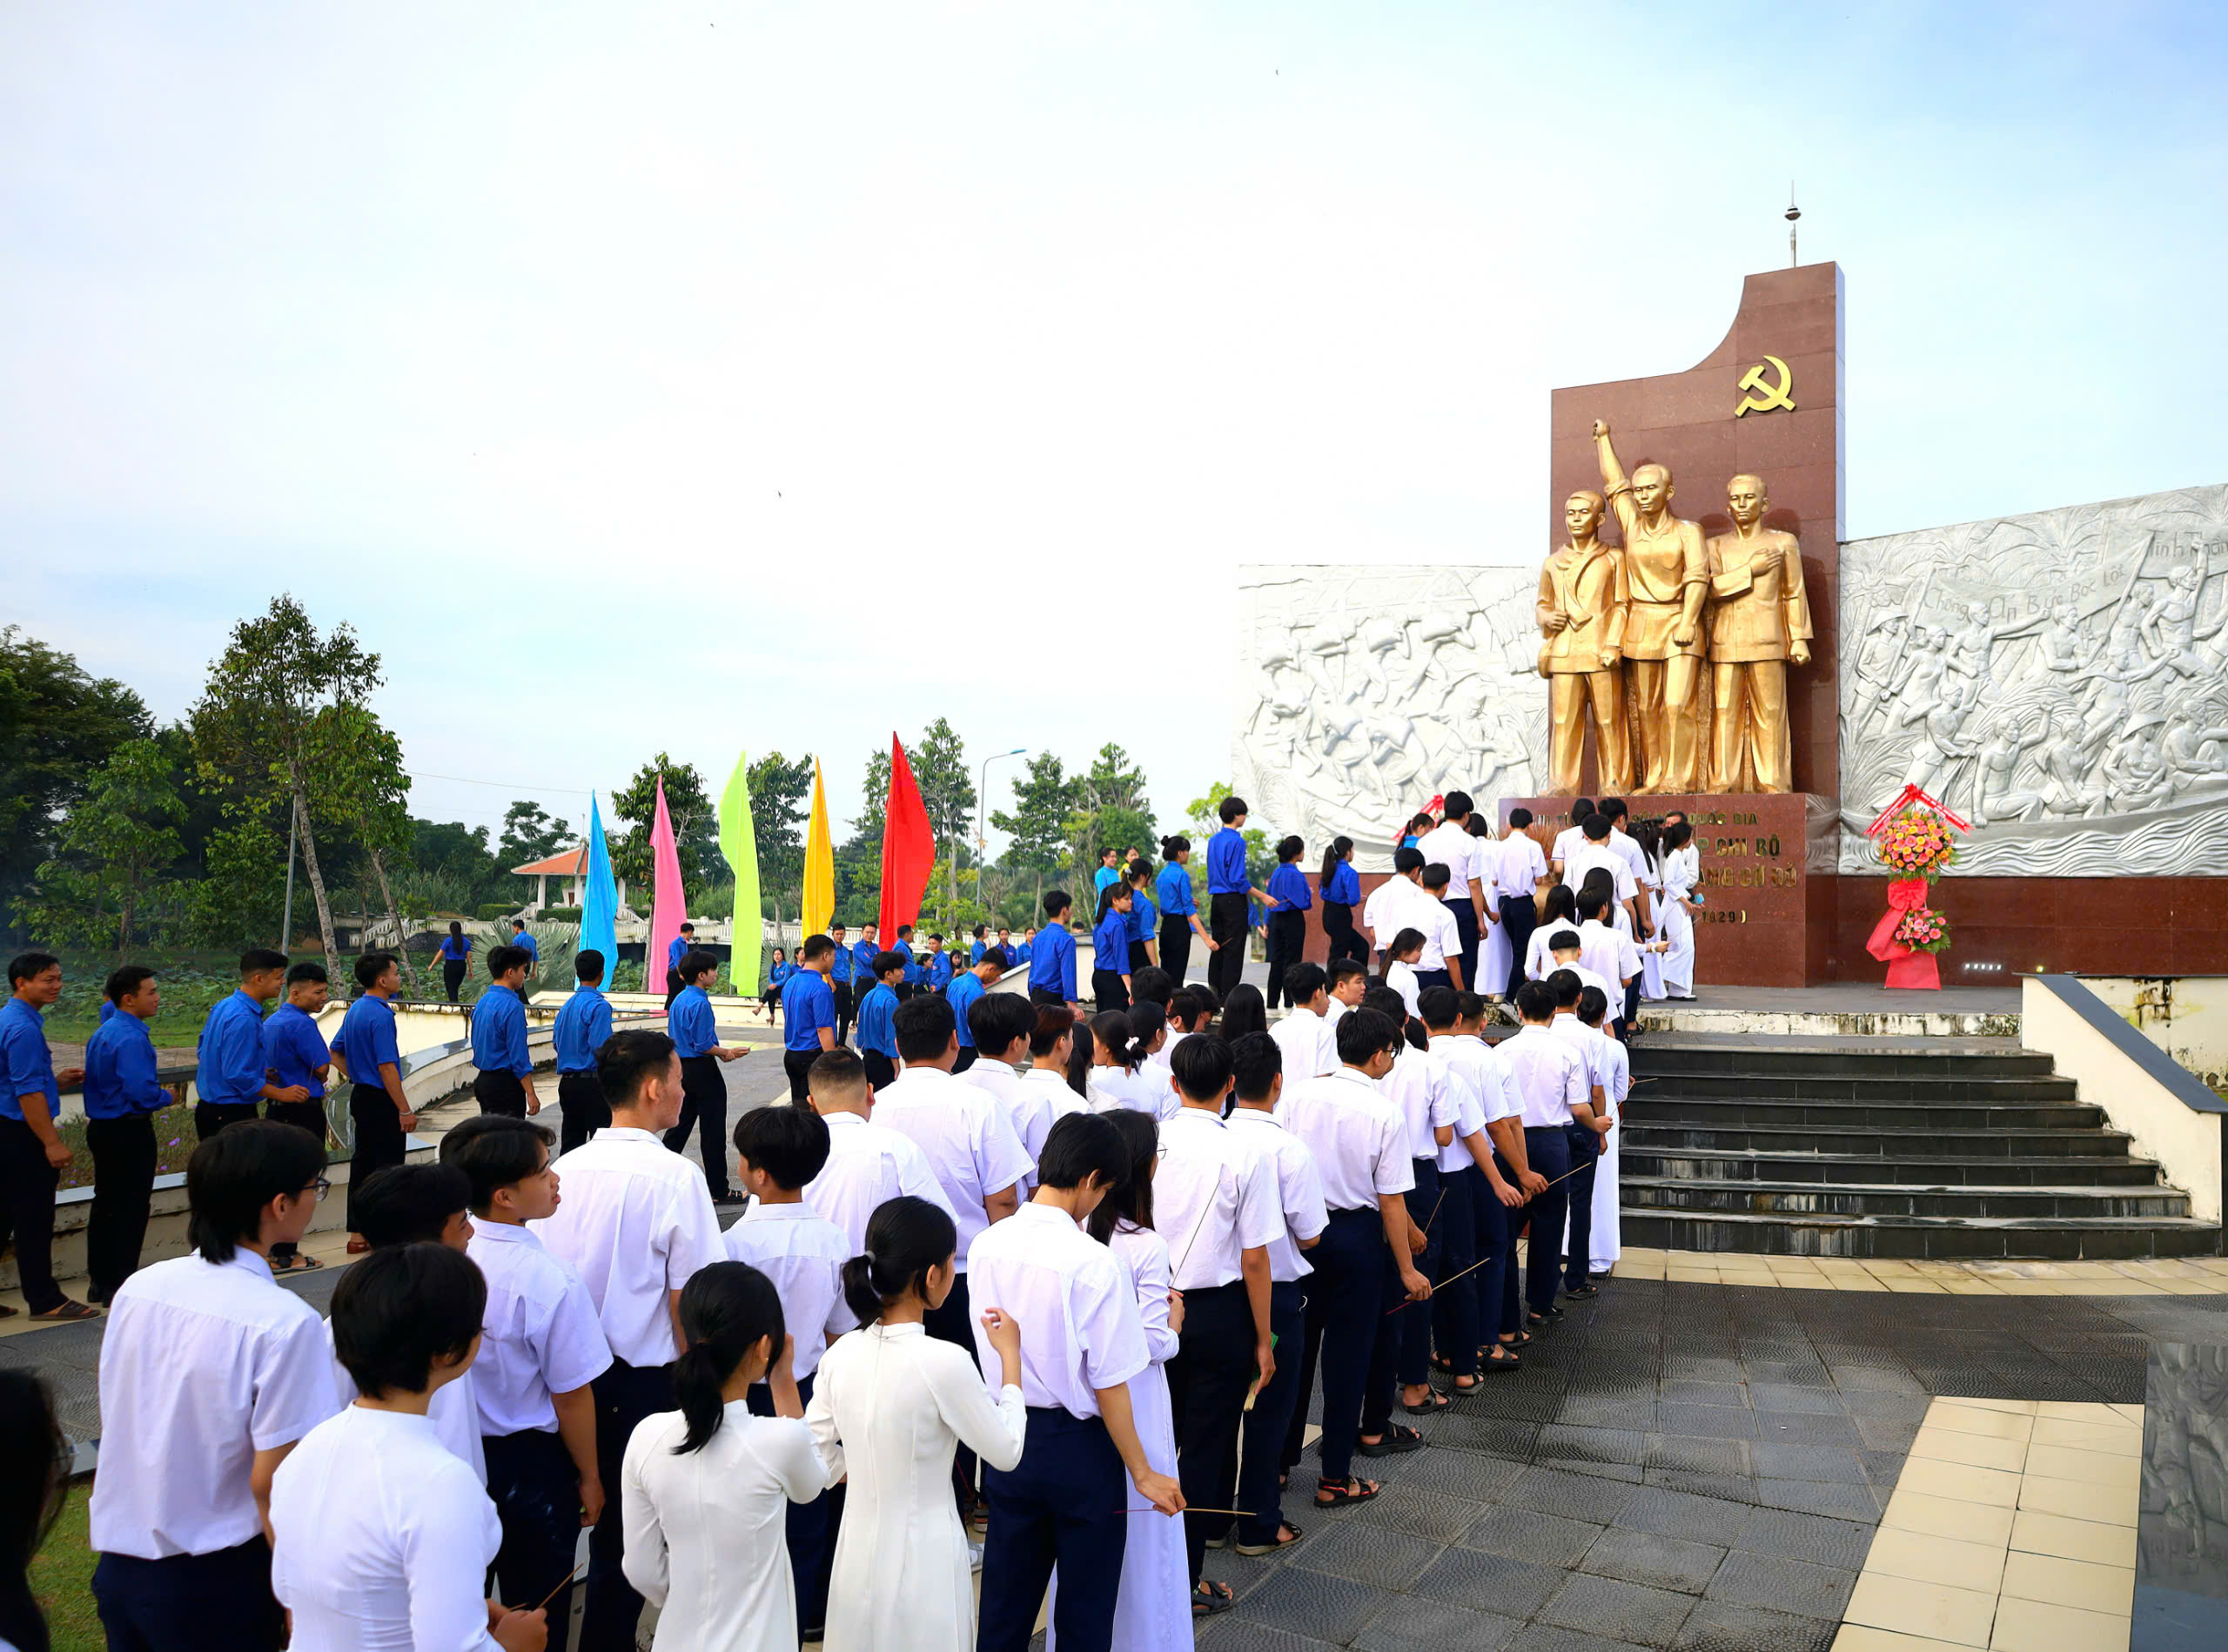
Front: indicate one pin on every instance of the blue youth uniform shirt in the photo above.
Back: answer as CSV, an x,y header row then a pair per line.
x,y
293,1050
975,953
937,971
1111,942
863,958
528,945
26,1061
904,950
1173,886
1053,968
878,1020
109,1012
1102,878
498,1032
692,1023
366,1040
675,950
843,964
582,1026
230,1070
1288,888
1226,862
454,948
961,995
807,1005
779,975
1344,887
1144,916
1017,954
120,1071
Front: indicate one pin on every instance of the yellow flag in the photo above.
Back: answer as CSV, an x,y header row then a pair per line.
x,y
819,861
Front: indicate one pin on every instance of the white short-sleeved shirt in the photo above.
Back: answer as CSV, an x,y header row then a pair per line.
x,y
1400,976
868,1165
804,1254
1609,953
1539,954
1026,1108
1452,847
203,1365
1587,1042
1486,1071
1550,1077
1305,1040
1618,1082
1568,841
1518,864
1080,1327
1585,858
1300,1188
1213,1197
970,1147
635,1222
1410,906
542,1335
1052,1090
1469,1117
1420,1085
1358,1137
1633,856
453,1412
1144,1090
384,1540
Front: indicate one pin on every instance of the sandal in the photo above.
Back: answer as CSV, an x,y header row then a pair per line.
x,y
1543,1320
1398,1439
1501,1361
299,1262
1585,1293
7,1313
1522,1338
1335,1493
1211,1597
1280,1541
1441,1362
67,1312
1433,1403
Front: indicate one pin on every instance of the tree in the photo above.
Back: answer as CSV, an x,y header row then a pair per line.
x,y
243,891
695,825
252,726
530,835
114,844
57,727
866,826
361,785
1205,821
780,802
1044,799
1111,808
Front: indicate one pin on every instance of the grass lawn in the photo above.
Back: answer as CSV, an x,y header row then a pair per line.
x,y
62,1577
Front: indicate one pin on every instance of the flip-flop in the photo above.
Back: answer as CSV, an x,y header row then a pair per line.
x,y
68,1312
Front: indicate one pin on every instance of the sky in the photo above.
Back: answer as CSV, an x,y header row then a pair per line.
x,y
704,377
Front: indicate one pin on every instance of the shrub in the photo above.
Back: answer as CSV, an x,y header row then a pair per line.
x,y
558,915
496,911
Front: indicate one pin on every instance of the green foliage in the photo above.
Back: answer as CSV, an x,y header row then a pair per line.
x,y
451,870
874,798
495,911
695,824
243,897
114,845
939,763
781,803
558,915
193,982
1045,798
1111,810
1200,813
530,835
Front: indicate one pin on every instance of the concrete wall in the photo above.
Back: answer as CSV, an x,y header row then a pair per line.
x,y
2185,1016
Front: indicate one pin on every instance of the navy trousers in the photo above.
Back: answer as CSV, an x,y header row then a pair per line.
x,y
1500,1297
624,1395
1549,1151
582,1109
1455,1311
536,1492
1273,1408
1586,1158
1414,1323
1207,1381
219,1602
1346,1312
1064,1504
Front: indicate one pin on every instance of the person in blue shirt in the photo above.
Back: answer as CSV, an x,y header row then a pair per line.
x,y
936,969
365,1054
778,972
231,1075
1052,960
455,956
1017,951
865,972
676,949
1288,901
504,1083
1109,870
122,1098
525,942
582,1026
1179,908
808,1020
966,987
1341,891
840,977
878,1021
1229,895
903,947
979,945
695,1034
296,1057
32,1151
1110,946
1145,918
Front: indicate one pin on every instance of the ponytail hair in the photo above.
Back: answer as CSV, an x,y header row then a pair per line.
x,y
726,1310
1338,850
1172,846
1113,1030
1129,1200
1107,897
906,1237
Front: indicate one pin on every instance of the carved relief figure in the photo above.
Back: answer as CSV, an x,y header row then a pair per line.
x,y
1582,609
2171,630
1759,624
1667,568
1941,738
1999,763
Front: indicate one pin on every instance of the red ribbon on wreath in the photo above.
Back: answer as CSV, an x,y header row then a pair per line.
x,y
1906,967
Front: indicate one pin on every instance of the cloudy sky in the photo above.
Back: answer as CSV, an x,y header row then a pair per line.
x,y
714,376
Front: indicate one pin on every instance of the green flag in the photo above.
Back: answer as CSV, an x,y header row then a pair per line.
x,y
739,845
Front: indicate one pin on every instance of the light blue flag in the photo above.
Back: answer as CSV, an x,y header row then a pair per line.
x,y
599,899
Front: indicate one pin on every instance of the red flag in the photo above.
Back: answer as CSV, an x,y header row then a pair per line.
x,y
909,847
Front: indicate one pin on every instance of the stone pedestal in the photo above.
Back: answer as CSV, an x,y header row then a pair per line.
x,y
1768,884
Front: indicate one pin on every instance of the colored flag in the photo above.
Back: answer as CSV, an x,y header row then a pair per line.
x,y
739,845
819,861
909,847
600,898
668,903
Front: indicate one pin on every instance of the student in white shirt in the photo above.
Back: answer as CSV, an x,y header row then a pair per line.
x,y
1256,1073
1303,1036
1443,963
1118,1076
1550,1081
868,1163
1401,975
635,1224
541,1347
1346,980
1001,1023
1051,1045
1559,913
1451,845
781,1150
383,1537
1149,1031
1605,951
1681,873
1616,1084
210,1372
1585,1143
1520,875
1567,957
1627,849
1568,839
1484,1191
1595,853
1082,1339
1388,908
1364,1267
1423,1087
704,1488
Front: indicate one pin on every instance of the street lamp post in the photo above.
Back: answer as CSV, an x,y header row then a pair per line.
x,y
982,815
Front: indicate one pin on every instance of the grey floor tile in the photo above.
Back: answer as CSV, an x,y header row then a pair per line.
x,y
1883,1468
1805,1429
1617,1610
1367,1554
1469,1474
1229,1633
1573,1496
1528,1534
1786,1586
1697,1455
1511,1437
1702,1393
1706,1422
1590,1411
1777,1396
1786,1535
1880,1379
1673,1513
1804,1374
1490,1583
1822,1497
1557,1442
1719,1626
1300,1601
1778,1461
1548,1637
1406,1508
1728,1488
1414,1624
1888,1434
1702,1368
1629,1473
1653,1559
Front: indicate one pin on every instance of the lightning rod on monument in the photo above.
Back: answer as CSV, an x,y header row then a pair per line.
x,y
1793,213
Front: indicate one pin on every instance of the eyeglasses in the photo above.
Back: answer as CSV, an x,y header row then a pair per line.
x,y
320,1187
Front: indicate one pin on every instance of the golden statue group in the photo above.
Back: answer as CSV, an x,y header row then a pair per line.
x,y
1629,629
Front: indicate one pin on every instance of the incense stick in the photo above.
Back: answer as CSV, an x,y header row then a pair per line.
x,y
1244,1514
1434,1217
552,1595
1474,1266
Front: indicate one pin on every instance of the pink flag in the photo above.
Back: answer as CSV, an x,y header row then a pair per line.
x,y
668,904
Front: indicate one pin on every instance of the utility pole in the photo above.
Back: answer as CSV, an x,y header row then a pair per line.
x,y
286,924
981,816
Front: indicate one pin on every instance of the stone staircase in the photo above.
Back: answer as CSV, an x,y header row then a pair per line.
x,y
1953,1148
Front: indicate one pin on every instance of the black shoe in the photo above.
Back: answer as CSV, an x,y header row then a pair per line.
x,y
730,1198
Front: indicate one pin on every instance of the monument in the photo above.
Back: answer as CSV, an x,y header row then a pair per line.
x,y
2061,678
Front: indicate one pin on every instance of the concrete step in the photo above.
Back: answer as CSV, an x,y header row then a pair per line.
x,y
1854,1087
1904,1058
1872,1199
1648,1107
1962,1238
1854,1141
1912,1168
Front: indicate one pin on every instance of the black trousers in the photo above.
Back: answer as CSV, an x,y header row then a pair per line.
x,y
797,1064
704,1105
1139,957
1175,947
452,975
380,1144
123,1185
1586,1160
1548,1149
219,1602
1271,1416
27,1185
210,1117
1062,1506
1345,1311
1415,1320
537,1495
1500,1293
624,1395
1226,922
845,1010
673,986
1453,1236
1519,915
1346,940
1207,1381
1287,941
582,1108
1106,987
1465,928
500,1092
882,1071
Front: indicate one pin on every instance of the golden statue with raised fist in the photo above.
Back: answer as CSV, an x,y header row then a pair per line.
x,y
1667,568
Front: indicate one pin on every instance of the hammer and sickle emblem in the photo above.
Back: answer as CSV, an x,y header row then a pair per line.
x,y
1763,398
